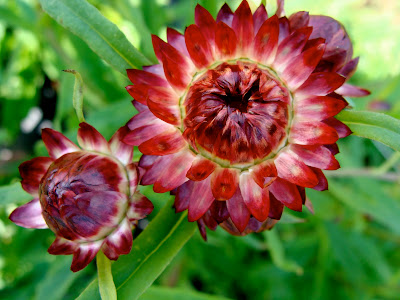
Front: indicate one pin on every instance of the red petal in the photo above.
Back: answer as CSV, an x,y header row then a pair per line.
x,y
226,41
177,40
198,47
333,148
225,15
164,105
29,215
209,220
265,173
284,29
312,133
342,129
139,77
292,46
201,168
319,107
224,183
143,127
202,228
287,193
139,208
219,211
266,40
168,142
275,208
176,67
242,24
293,170
259,17
298,20
255,197
322,181
182,202
206,23
84,255
199,195
156,70
238,211
57,144
316,156
119,242
174,173
90,139
62,246
154,166
348,69
32,172
352,91
321,84
300,68
132,171
138,92
120,149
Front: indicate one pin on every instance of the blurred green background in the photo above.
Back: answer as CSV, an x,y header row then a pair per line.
x,y
347,250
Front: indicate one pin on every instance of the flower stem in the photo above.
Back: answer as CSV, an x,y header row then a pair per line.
x,y
77,97
106,282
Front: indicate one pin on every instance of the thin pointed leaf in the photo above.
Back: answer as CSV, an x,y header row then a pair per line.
x,y
151,252
104,37
372,125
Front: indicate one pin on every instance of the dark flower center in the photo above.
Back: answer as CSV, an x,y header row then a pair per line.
x,y
79,195
237,113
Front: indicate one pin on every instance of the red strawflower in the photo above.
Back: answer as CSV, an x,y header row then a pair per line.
x,y
87,197
238,117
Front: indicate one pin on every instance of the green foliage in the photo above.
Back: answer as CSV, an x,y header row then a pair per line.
x,y
347,250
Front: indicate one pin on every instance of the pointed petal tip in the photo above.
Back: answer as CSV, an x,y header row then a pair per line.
x,y
29,215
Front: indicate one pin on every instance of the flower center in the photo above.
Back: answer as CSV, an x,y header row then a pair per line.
x,y
83,195
236,113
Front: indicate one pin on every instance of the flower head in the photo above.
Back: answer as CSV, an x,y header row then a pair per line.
x,y
237,119
87,196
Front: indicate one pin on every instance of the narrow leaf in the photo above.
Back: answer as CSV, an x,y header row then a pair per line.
x,y
372,125
103,36
106,283
151,252
77,98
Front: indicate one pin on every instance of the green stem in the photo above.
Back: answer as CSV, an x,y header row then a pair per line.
x,y
388,164
106,282
77,97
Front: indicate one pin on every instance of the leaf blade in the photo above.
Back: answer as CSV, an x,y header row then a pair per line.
x,y
102,36
151,252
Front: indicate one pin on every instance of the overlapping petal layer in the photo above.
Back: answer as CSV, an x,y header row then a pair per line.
x,y
238,116
87,196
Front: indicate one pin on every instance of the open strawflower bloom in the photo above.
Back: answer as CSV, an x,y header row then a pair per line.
x,y
87,196
238,117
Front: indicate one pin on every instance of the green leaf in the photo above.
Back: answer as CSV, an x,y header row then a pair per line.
x,y
77,98
372,125
277,252
103,36
166,293
13,193
151,252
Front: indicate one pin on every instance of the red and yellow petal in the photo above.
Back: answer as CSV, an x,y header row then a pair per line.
x,y
90,139
224,183
57,144
32,172
255,197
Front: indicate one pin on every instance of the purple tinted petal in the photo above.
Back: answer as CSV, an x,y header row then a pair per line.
x,y
29,215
